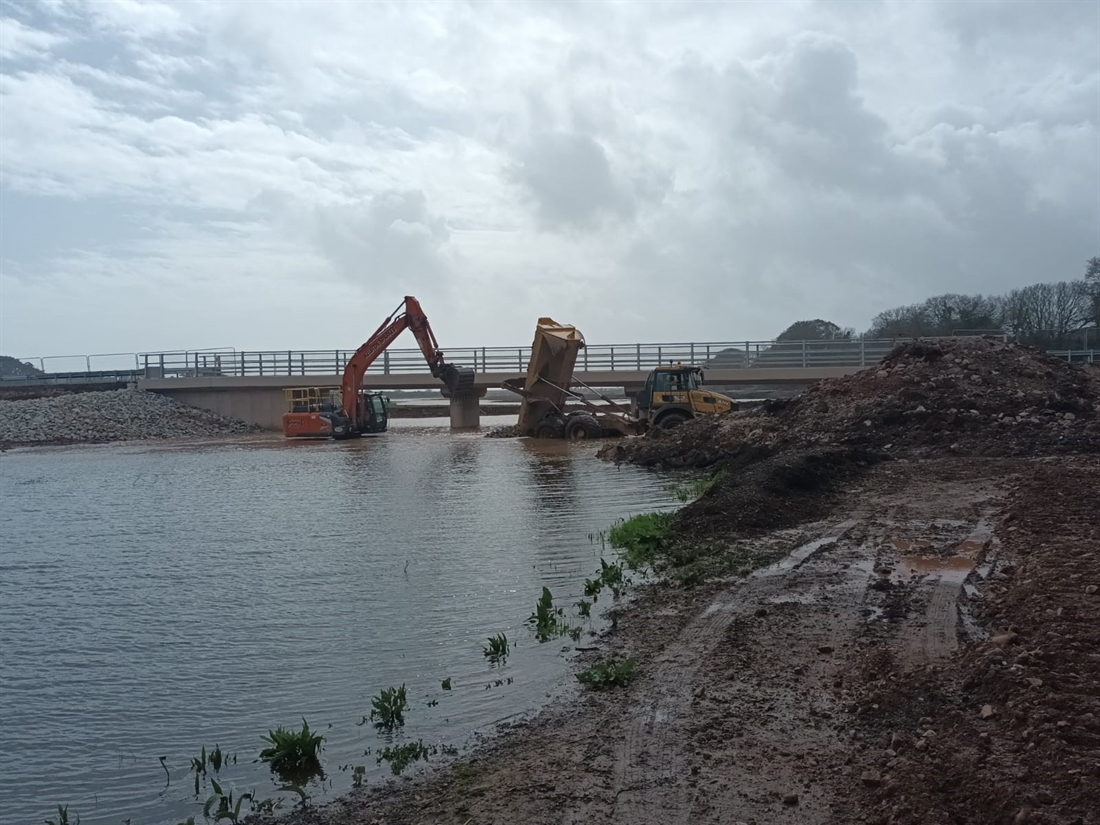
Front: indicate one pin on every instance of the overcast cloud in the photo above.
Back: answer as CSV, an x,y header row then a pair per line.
x,y
278,175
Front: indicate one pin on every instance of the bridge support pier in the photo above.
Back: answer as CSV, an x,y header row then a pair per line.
x,y
466,409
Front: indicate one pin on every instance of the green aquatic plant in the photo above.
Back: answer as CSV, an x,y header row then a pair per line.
x,y
303,797
446,683
614,671
401,756
584,607
357,775
228,805
292,754
62,817
497,651
546,620
388,708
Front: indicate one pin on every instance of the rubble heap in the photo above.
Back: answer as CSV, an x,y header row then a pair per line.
x,y
968,396
117,415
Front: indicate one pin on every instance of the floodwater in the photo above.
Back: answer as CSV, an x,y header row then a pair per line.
x,y
155,599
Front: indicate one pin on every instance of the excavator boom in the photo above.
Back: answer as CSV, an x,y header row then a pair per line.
x,y
355,408
456,379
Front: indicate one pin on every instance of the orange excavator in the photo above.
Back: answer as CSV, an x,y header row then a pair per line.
x,y
323,413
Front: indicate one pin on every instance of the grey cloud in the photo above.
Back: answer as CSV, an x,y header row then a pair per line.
x,y
392,237
572,184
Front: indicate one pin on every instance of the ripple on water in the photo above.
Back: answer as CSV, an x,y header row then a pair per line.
x,y
154,599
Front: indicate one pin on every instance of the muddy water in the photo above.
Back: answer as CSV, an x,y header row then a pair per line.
x,y
155,599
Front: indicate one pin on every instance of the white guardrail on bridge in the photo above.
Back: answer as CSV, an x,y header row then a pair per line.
x,y
593,358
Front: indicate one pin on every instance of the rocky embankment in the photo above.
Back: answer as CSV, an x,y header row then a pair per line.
x,y
118,415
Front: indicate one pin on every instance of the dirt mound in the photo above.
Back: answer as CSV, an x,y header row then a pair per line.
x,y
776,492
970,397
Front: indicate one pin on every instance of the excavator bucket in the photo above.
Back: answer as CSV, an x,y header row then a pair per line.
x,y
458,380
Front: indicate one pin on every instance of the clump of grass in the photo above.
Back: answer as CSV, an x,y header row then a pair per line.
x,y
497,651
388,708
293,755
446,683
614,671
643,539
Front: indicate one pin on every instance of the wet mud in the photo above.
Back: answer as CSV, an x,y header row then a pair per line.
x,y
804,691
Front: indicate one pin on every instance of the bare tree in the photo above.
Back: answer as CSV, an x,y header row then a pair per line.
x,y
1048,314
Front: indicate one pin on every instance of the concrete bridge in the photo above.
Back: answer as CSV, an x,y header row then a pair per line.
x,y
261,399
250,385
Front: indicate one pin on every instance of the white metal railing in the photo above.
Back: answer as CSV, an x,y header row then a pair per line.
x,y
593,358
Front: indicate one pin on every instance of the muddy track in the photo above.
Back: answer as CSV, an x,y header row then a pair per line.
x,y
747,707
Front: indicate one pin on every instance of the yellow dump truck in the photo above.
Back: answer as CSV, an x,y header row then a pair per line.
x,y
672,394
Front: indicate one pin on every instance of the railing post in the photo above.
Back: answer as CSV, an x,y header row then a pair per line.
x,y
261,356
658,357
639,346
692,351
862,352
708,353
747,355
586,359
484,366
612,359
803,354
519,359
336,361
386,362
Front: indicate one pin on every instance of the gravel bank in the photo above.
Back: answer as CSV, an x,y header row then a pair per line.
x,y
118,415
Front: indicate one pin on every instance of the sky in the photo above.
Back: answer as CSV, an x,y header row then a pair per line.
x,y
278,175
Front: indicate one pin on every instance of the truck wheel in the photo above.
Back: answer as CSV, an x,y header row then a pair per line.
x,y
551,426
672,419
581,427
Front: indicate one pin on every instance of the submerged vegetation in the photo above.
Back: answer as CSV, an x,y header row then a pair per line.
x,y
388,708
549,622
293,755
497,650
614,671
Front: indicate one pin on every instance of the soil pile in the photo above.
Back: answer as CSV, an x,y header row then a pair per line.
x,y
1009,731
969,397
118,415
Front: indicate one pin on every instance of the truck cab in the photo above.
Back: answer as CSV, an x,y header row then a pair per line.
x,y
673,394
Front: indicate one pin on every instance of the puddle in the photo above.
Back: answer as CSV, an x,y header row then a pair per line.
x,y
947,569
977,541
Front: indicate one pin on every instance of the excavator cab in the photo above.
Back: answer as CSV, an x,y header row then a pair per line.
x,y
373,412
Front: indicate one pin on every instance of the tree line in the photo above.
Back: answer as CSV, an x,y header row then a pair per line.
x,y
1062,315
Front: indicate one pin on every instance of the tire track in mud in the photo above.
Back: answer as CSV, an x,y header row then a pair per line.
x,y
656,762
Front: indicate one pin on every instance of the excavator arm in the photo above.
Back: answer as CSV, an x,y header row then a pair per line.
x,y
456,379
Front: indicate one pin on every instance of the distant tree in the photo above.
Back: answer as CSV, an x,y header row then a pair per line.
x,y
10,367
939,316
816,330
1049,314
1092,278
